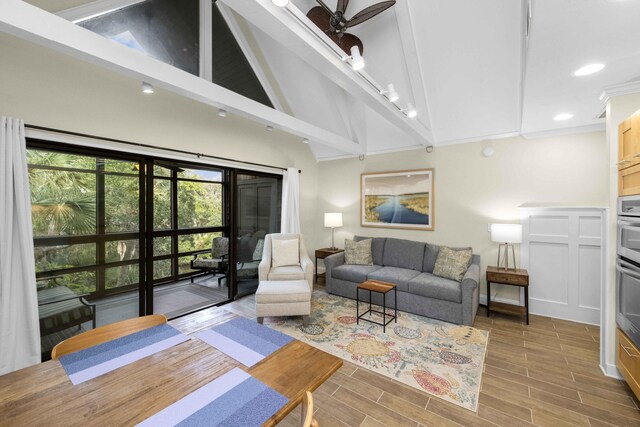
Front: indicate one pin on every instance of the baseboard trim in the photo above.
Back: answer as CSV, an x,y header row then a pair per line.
x,y
611,370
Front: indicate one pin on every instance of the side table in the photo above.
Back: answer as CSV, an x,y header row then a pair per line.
x,y
322,254
513,277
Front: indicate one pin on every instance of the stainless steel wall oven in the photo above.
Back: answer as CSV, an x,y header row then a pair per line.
x,y
628,267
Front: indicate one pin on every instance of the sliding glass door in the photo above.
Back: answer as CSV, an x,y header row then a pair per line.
x,y
189,218
258,203
87,217
118,236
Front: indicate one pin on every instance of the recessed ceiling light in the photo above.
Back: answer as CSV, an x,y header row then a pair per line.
x,y
222,113
306,141
269,128
281,3
563,116
588,69
147,88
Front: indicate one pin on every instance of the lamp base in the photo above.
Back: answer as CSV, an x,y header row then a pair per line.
x,y
503,261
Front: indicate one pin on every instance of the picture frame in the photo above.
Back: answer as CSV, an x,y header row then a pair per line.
x,y
398,199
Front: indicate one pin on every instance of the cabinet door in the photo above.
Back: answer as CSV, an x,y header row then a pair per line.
x,y
629,142
628,362
629,181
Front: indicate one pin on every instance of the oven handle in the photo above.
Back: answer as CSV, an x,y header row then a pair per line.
x,y
629,221
621,269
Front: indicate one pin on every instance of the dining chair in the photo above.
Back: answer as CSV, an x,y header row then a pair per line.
x,y
106,333
307,420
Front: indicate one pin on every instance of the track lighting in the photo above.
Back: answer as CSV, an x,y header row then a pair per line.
x,y
280,3
147,88
222,113
392,94
410,111
357,61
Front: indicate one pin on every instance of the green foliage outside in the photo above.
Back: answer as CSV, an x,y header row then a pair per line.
x,y
64,201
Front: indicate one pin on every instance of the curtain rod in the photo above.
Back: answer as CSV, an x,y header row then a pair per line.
x,y
137,144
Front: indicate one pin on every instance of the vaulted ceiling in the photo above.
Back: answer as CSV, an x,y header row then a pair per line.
x,y
474,69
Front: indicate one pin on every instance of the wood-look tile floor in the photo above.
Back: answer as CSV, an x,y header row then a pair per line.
x,y
543,374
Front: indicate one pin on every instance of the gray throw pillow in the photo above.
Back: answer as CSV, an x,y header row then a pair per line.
x,y
358,252
453,263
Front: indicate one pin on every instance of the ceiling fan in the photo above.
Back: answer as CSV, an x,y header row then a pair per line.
x,y
334,24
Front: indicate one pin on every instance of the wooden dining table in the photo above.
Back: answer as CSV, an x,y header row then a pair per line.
x,y
43,394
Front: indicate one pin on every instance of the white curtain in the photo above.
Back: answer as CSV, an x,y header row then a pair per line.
x,y
290,218
19,324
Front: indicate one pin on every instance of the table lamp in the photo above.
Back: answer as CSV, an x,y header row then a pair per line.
x,y
507,235
333,220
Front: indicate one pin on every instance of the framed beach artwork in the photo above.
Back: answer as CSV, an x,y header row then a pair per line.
x,y
400,199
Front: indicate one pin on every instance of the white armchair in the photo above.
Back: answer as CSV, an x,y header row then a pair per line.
x,y
286,283
303,271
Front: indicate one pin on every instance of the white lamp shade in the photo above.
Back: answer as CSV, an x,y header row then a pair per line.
x,y
333,219
506,233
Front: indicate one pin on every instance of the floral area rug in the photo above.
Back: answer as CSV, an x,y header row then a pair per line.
x,y
440,358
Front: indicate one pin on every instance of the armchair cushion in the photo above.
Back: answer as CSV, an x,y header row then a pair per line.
x,y
285,252
287,272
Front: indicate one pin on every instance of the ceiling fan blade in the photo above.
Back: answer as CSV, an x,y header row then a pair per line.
x,y
369,12
342,5
325,7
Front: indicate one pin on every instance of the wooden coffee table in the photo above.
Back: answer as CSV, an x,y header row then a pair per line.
x,y
381,288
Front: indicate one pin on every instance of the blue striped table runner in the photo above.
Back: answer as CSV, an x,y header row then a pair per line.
x,y
234,399
92,362
245,340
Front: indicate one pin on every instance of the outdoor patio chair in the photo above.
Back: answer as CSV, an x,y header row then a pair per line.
x,y
217,264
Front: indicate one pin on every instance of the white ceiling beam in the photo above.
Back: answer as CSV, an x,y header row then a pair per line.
x,y
95,8
245,46
412,59
283,25
35,25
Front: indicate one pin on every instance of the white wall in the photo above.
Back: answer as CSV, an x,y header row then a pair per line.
x,y
52,90
472,191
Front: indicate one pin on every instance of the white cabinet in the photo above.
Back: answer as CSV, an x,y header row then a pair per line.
x,y
563,250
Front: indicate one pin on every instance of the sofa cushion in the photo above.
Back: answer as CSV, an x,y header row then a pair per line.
x,y
377,247
453,263
357,253
399,276
431,286
353,273
288,272
430,256
403,254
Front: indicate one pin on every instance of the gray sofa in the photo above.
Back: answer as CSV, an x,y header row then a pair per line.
x,y
409,265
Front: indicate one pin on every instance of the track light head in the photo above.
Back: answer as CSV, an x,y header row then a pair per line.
x,y
357,61
411,111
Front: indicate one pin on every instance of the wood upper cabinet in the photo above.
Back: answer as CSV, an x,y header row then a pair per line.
x,y
629,142
629,156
